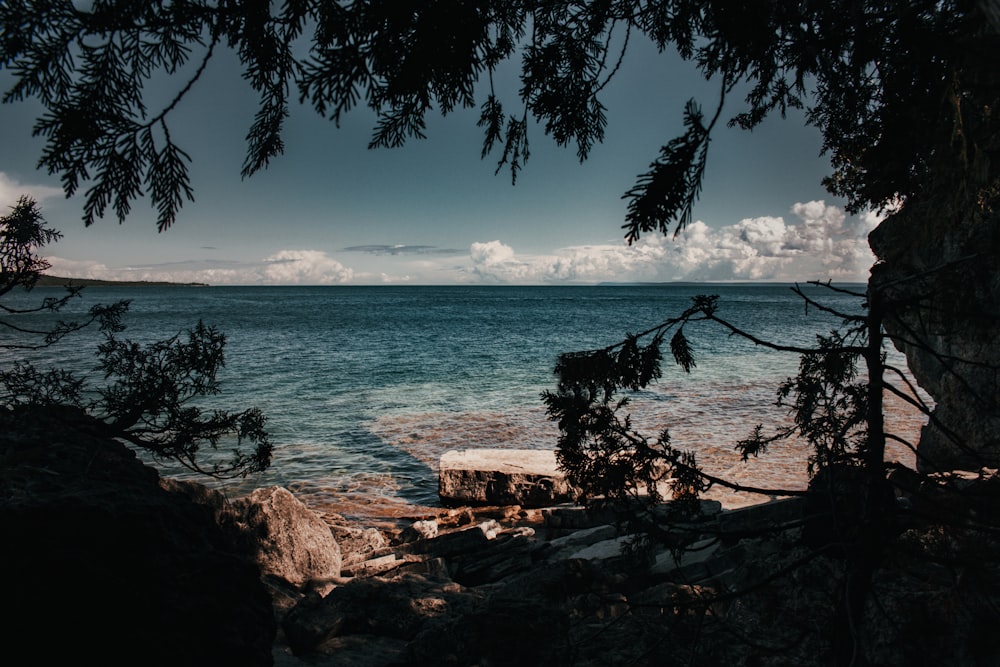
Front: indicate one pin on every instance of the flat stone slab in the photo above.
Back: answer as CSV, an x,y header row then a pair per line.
x,y
525,477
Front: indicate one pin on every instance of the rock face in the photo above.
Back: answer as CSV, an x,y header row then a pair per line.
x,y
529,478
287,539
565,586
940,277
104,566
527,587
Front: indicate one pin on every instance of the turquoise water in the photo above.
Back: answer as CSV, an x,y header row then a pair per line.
x,y
365,387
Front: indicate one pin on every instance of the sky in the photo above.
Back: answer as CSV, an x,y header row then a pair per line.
x,y
331,211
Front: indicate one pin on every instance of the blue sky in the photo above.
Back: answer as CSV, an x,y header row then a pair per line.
x,y
331,211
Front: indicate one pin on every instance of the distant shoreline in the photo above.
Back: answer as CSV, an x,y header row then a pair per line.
x,y
57,281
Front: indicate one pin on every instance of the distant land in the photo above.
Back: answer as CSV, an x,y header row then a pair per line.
x,y
725,283
56,281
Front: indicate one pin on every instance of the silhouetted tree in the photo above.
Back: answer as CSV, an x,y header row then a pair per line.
x,y
149,399
871,516
901,91
22,233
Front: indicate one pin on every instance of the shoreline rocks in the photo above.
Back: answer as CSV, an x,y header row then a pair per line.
x,y
571,585
498,585
168,572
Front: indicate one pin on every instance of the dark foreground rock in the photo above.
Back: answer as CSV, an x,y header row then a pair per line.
x,y
103,566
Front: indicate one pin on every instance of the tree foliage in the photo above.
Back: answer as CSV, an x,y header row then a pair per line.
x,y
150,392
900,91
608,458
872,519
22,233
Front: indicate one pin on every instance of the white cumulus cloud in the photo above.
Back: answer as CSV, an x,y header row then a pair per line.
x,y
821,243
495,261
12,190
305,267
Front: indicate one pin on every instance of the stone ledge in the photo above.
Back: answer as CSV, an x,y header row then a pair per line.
x,y
526,477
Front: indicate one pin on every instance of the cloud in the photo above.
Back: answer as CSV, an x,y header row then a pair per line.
x,y
305,267
11,190
287,267
495,261
823,243
403,249
816,242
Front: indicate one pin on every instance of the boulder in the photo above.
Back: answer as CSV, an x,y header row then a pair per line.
x,y
396,608
939,280
288,539
525,477
103,566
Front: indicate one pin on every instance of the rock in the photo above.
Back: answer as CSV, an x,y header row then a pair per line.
x,y
697,552
394,565
419,530
103,566
702,563
771,516
582,607
396,608
939,276
284,596
502,631
529,478
357,544
198,493
289,540
525,621
563,547
462,540
950,497
363,651
508,553
617,552
575,517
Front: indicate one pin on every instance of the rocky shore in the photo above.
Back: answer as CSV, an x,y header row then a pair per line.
x,y
106,560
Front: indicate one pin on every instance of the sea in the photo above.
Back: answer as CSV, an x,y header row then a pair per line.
x,y
366,387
